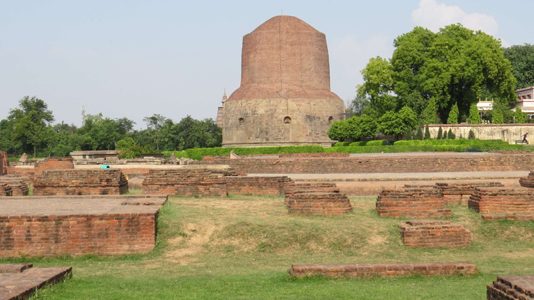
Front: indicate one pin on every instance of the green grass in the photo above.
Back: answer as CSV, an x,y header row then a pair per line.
x,y
375,146
241,247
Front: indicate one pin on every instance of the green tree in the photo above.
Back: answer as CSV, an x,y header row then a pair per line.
x,y
427,133
497,115
430,113
440,134
453,115
519,116
522,59
474,115
31,124
398,124
378,86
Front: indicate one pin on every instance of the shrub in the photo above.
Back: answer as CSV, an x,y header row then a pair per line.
x,y
474,115
471,135
440,134
453,115
427,133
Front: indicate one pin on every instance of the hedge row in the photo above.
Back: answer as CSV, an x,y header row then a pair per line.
x,y
377,146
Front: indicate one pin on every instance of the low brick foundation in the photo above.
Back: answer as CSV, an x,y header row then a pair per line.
x,y
186,182
316,199
457,193
527,181
511,288
503,204
261,186
3,163
73,225
20,281
80,182
412,203
17,185
383,270
434,234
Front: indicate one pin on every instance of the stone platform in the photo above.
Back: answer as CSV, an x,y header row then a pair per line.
x,y
511,288
434,234
78,225
382,270
20,281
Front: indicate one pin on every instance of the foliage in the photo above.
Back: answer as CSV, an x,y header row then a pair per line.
x,y
378,86
522,59
397,124
129,148
440,134
419,134
497,114
427,133
430,113
519,116
471,135
474,115
450,135
353,128
453,115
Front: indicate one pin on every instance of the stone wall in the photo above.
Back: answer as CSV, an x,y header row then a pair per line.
x,y
386,163
261,186
383,270
503,204
511,288
186,182
412,203
434,234
509,133
80,182
316,199
54,226
3,163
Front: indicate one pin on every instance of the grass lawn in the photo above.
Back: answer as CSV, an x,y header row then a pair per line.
x,y
242,247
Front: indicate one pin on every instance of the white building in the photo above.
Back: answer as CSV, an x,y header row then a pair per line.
x,y
525,100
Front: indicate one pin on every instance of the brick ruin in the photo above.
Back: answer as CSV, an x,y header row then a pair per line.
x,y
527,181
3,163
186,182
316,199
383,270
434,234
20,281
503,204
412,203
12,185
457,193
511,288
259,186
78,225
80,182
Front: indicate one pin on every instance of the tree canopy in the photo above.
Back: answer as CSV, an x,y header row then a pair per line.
x,y
522,59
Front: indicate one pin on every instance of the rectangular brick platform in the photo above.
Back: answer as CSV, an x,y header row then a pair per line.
x,y
503,204
20,281
80,182
17,185
382,270
459,193
78,225
412,203
434,234
316,199
186,182
511,288
255,185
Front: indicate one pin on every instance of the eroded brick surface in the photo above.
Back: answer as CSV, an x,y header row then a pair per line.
x,y
434,234
316,199
255,185
78,225
80,182
511,288
186,182
503,204
527,181
382,270
14,185
416,203
21,281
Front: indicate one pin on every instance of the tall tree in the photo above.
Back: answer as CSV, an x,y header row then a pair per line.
x,y
522,59
378,86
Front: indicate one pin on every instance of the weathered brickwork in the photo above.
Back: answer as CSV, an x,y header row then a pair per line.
x,y
511,288
3,163
527,181
449,162
412,203
17,185
186,182
54,226
503,204
80,182
383,270
457,193
434,234
20,281
261,186
316,199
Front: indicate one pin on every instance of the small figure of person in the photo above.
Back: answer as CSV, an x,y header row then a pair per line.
x,y
525,138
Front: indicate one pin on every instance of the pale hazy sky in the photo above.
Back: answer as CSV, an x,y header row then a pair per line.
x,y
136,58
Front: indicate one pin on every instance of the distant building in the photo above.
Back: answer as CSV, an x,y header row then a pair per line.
x,y
220,111
485,105
525,100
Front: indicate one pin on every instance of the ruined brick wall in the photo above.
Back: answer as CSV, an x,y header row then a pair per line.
x,y
17,185
503,204
457,193
511,288
453,162
316,199
412,203
527,181
261,186
185,182
52,163
383,270
3,163
434,234
77,235
80,182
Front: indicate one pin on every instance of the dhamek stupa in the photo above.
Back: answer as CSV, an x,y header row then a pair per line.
x,y
284,97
